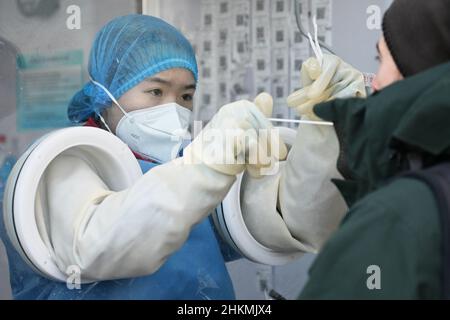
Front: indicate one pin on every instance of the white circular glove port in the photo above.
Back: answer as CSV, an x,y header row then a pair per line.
x,y
231,225
111,158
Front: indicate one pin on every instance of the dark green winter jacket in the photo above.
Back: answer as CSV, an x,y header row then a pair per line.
x,y
389,245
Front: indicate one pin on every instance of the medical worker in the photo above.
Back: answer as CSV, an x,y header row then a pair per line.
x,y
130,244
153,240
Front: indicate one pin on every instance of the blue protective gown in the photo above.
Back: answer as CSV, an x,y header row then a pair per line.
x,y
196,271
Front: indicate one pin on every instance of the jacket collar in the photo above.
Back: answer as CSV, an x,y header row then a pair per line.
x,y
412,115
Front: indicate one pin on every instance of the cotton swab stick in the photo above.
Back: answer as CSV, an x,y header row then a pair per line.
x,y
318,123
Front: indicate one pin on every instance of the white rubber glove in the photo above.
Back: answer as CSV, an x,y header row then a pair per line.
x,y
298,208
335,79
238,137
310,203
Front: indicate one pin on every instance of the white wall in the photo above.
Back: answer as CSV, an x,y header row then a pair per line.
x,y
352,40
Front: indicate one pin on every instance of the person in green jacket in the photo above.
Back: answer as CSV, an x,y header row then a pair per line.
x,y
389,245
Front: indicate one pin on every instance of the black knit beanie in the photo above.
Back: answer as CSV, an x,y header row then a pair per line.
x,y
417,33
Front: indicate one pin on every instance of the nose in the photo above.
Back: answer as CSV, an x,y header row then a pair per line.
x,y
173,97
170,97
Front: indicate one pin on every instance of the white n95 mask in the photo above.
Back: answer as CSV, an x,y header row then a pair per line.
x,y
157,132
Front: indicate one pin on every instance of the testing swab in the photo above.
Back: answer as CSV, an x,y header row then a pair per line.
x,y
318,123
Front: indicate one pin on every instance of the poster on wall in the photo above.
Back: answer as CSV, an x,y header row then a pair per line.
x,y
265,48
245,47
45,85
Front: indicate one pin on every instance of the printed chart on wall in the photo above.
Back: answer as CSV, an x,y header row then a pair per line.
x,y
249,46
45,85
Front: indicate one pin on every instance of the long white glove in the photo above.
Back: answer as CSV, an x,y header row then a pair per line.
x,y
114,235
299,208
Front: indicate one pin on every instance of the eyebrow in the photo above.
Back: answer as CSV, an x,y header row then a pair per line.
x,y
158,80
191,86
166,82
378,47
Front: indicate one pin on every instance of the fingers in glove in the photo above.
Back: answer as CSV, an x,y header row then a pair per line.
x,y
307,107
264,102
311,71
329,68
264,157
298,97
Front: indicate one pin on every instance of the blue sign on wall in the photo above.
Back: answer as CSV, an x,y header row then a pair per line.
x,y
45,85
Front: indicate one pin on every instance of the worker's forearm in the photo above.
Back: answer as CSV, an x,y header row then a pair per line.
x,y
259,200
310,203
131,233
299,207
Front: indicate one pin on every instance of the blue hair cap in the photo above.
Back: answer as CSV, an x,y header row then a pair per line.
x,y
126,51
